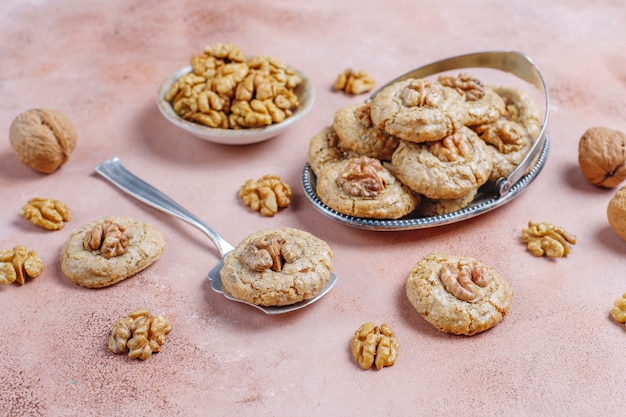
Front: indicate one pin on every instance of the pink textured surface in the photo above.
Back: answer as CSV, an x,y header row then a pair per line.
x,y
101,62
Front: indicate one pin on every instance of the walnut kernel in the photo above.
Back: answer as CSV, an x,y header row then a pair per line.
x,y
618,312
466,85
47,213
602,156
373,345
354,82
42,139
140,333
461,279
17,264
266,195
545,239
109,237
451,148
270,252
362,177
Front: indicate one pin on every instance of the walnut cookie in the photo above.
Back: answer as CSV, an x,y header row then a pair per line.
x,y
324,148
511,136
418,110
276,267
445,169
363,187
353,125
458,294
109,250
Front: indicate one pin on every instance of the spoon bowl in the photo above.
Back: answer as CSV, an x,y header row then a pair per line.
x,y
113,170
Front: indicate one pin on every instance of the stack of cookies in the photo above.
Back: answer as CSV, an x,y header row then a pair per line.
x,y
422,146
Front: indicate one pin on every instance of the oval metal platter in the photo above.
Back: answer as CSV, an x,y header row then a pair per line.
x,y
491,195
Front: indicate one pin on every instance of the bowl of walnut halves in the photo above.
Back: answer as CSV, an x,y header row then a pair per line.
x,y
226,97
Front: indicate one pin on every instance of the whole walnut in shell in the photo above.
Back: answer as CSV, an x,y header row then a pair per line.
x,y
42,139
616,213
602,156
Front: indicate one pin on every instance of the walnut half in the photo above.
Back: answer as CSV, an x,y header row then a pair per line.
x,y
47,213
361,177
545,239
354,82
17,264
109,237
266,195
140,333
373,345
270,252
461,279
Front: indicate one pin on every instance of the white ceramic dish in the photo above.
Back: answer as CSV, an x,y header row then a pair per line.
x,y
493,194
306,97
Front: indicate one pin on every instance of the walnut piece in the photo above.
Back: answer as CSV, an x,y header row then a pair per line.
x,y
362,177
266,195
47,213
602,156
109,237
545,239
461,279
451,148
373,345
354,82
17,264
224,90
618,312
140,333
417,93
270,252
616,212
42,139
466,85
505,135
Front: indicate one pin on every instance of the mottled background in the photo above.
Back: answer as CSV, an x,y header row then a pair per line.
x,y
101,63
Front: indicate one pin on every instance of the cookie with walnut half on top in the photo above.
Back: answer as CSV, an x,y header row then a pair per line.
x,y
109,250
363,187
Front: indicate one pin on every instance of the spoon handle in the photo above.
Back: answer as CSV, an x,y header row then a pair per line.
x,y
113,170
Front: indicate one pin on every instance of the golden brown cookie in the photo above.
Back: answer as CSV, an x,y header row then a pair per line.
x,y
353,125
511,136
324,148
483,104
508,144
429,207
93,265
418,110
458,294
448,169
363,187
277,267
521,108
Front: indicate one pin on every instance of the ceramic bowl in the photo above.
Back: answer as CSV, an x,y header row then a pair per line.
x,y
304,91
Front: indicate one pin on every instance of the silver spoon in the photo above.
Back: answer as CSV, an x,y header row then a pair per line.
x,y
114,171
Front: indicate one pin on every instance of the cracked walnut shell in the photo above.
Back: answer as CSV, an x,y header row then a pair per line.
x,y
17,264
602,156
266,195
47,213
140,333
546,239
42,139
373,345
